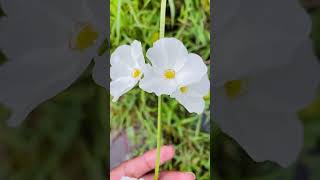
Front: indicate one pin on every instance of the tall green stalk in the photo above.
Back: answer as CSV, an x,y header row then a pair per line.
x,y
162,29
156,174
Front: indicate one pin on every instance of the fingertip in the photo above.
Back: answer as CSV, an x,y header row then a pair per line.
x,y
172,175
168,149
177,176
167,153
191,175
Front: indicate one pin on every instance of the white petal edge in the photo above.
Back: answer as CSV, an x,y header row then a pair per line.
x,y
121,86
167,53
192,71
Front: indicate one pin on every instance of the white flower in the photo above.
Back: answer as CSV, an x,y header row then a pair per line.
x,y
265,72
127,64
172,67
129,178
48,45
191,95
173,72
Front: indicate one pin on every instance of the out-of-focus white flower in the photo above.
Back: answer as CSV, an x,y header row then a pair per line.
x,y
48,45
265,71
191,96
129,178
260,111
173,68
127,64
250,38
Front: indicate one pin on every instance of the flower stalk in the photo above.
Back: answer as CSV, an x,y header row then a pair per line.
x,y
162,30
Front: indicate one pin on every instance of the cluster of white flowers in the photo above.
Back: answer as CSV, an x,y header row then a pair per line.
x,y
173,71
129,178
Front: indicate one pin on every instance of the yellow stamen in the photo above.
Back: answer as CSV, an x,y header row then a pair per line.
x,y
136,73
234,88
183,89
86,37
169,74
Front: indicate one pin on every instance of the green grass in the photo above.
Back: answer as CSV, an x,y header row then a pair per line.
x,y
136,111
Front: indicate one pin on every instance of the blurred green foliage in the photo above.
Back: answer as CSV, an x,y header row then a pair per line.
x,y
63,138
136,111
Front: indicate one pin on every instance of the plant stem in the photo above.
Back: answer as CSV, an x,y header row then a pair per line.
x,y
156,174
162,17
162,29
118,21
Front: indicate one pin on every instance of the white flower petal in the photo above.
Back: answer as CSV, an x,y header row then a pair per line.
x,y
120,70
137,53
192,98
129,55
191,103
120,86
200,88
153,82
37,76
192,71
167,53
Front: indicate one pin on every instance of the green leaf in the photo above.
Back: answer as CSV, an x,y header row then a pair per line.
x,y
172,11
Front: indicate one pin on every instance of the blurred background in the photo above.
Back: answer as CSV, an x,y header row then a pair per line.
x,y
133,117
231,162
63,138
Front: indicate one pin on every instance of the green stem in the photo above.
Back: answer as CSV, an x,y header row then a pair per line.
x,y
156,174
162,29
118,21
162,17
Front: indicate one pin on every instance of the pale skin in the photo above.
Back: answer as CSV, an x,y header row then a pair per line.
x,y
142,166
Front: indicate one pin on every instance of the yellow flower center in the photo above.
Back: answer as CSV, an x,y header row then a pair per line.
x,y
169,74
234,88
84,37
183,89
136,73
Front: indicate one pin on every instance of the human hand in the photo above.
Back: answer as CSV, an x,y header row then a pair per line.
x,y
140,166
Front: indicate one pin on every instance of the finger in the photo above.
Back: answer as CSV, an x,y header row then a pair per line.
x,y
141,165
172,175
